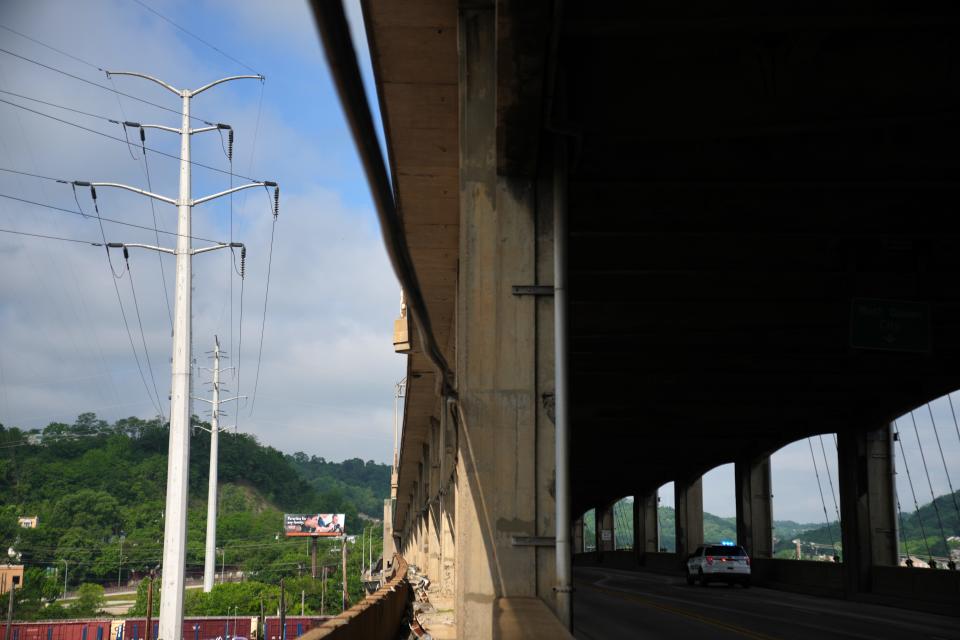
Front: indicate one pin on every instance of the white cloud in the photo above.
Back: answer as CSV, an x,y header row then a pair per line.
x,y
327,371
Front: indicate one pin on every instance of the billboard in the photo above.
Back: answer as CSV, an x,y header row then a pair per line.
x,y
313,524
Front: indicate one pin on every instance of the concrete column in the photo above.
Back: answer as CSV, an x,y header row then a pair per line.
x,y
867,504
497,474
754,507
388,547
448,571
578,535
433,516
645,534
688,505
604,529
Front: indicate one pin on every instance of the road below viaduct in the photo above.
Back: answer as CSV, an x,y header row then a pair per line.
x,y
612,604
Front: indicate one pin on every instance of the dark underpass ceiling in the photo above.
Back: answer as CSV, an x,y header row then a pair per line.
x,y
738,182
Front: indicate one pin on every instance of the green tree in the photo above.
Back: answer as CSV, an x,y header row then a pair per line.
x,y
89,601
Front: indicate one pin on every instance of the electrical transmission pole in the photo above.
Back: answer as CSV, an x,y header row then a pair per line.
x,y
210,559
175,514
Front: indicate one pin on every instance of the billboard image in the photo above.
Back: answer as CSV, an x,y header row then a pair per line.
x,y
313,524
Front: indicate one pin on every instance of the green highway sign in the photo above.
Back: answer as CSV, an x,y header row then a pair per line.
x,y
890,325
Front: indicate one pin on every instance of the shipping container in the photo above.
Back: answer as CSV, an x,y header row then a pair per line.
x,y
92,629
296,626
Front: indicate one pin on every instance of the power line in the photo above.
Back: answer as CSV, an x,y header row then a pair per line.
x,y
40,235
266,295
143,337
916,503
833,493
822,501
153,211
933,498
954,415
52,48
123,313
105,219
101,86
193,35
121,140
946,470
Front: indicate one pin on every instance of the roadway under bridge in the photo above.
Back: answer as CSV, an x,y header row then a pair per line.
x,y
759,209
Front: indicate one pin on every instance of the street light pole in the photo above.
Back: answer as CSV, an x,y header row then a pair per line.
x,y
120,564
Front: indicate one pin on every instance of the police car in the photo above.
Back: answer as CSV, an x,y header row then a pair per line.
x,y
724,562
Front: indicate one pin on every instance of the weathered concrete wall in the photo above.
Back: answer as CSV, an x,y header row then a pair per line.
x,y
805,576
688,505
645,535
376,617
940,589
503,490
867,505
754,507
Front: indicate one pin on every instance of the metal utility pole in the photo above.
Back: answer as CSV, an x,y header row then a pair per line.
x,y
343,548
313,557
323,591
65,566
210,558
283,612
149,630
120,564
178,460
10,597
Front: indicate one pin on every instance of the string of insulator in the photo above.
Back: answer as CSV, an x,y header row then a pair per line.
x,y
230,145
276,201
243,261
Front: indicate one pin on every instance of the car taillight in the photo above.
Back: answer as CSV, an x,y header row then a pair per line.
x,y
709,559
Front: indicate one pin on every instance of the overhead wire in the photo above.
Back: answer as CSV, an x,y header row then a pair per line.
x,y
916,503
195,36
822,501
926,470
104,218
266,296
943,458
121,140
833,493
123,312
153,211
100,86
903,533
143,337
47,237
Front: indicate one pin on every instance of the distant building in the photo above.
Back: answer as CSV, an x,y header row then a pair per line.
x,y
8,574
28,522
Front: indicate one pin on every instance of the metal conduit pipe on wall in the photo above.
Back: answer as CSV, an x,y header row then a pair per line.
x,y
342,60
561,398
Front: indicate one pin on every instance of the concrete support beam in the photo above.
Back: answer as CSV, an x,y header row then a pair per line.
x,y
754,507
388,544
867,504
448,571
604,530
645,535
688,505
497,472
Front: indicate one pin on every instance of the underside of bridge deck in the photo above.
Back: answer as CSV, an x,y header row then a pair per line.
x,y
746,185
761,240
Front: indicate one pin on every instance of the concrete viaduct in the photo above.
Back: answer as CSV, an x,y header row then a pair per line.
x,y
747,214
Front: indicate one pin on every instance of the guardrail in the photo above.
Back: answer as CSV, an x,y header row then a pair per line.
x,y
376,617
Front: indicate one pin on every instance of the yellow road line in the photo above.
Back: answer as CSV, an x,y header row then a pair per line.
x,y
755,635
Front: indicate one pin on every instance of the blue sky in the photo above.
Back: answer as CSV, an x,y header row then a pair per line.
x,y
328,369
